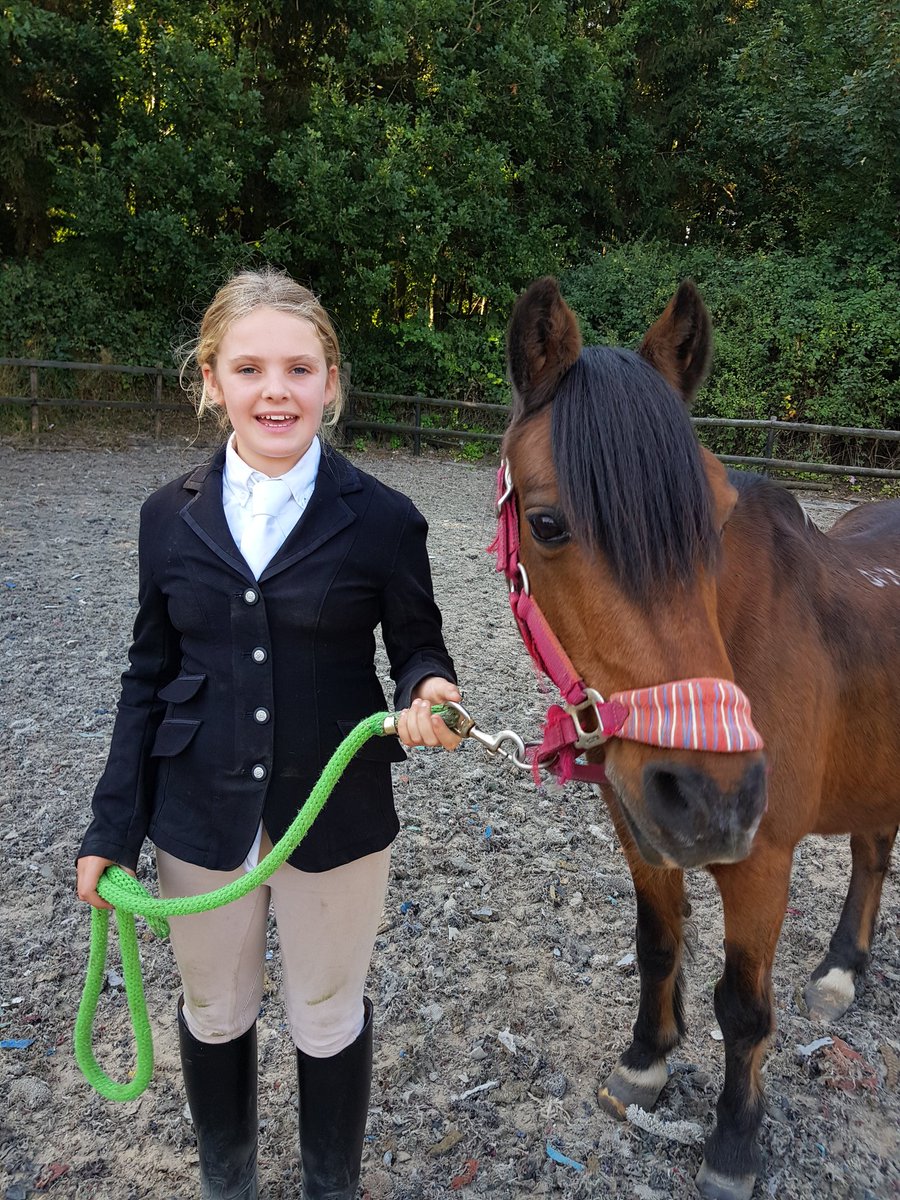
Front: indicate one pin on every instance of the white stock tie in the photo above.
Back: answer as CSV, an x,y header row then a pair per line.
x,y
264,533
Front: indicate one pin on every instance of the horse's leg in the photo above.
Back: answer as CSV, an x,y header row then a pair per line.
x,y
641,1073
754,897
832,988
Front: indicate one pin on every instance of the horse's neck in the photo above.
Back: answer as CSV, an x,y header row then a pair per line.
x,y
788,592
777,571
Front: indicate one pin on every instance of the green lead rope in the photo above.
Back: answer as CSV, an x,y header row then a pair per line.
x,y
129,897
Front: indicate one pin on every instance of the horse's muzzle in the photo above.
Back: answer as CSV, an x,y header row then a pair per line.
x,y
688,820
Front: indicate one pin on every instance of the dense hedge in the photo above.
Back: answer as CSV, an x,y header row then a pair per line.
x,y
807,338
799,338
417,162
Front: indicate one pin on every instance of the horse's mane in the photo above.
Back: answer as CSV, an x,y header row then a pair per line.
x,y
630,475
776,501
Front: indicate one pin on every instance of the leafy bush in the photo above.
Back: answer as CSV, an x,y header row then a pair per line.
x,y
812,338
463,362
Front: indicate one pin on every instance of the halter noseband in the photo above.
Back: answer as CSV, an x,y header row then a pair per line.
x,y
689,714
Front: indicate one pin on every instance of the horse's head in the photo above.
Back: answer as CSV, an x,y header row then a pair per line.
x,y
621,514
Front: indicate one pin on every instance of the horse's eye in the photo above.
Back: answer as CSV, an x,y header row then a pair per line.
x,y
548,526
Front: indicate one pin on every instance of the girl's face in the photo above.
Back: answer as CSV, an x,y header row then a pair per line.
x,y
272,378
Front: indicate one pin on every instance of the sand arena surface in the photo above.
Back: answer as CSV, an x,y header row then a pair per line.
x,y
503,978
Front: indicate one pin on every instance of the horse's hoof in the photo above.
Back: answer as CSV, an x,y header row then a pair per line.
x,y
713,1185
611,1104
829,998
627,1086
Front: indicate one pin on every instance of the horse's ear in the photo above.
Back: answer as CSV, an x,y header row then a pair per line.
x,y
543,341
679,344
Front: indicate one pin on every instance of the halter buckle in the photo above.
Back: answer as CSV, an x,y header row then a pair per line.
x,y
588,739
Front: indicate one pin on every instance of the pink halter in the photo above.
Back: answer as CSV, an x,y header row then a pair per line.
x,y
690,714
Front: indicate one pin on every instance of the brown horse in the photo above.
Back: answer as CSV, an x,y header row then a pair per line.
x,y
653,563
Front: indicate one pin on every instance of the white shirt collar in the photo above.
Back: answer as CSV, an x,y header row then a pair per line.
x,y
239,478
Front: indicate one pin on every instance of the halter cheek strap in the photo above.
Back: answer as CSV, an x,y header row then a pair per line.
x,y
689,714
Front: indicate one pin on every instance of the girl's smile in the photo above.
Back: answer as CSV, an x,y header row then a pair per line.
x,y
279,421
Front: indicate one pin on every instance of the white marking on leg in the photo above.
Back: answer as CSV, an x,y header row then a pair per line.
x,y
652,1079
836,986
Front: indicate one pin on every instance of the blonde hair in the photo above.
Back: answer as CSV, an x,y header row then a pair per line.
x,y
240,296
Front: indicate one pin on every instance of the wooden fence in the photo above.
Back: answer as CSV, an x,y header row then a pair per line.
x,y
419,427
418,432
35,400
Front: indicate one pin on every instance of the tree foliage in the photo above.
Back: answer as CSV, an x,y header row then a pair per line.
x,y
419,161
809,124
798,339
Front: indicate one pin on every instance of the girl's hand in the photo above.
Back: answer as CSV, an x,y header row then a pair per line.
x,y
418,726
90,868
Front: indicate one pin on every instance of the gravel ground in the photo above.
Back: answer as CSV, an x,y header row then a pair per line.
x,y
503,977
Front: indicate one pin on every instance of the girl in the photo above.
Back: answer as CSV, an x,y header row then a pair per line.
x,y
263,575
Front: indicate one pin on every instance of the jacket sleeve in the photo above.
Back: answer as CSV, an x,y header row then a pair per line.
x,y
122,799
410,618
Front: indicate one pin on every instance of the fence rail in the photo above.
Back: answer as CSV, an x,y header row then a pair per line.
x,y
418,432
35,401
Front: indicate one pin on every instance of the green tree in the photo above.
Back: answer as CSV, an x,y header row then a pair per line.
x,y
48,107
436,169
807,130
419,161
666,57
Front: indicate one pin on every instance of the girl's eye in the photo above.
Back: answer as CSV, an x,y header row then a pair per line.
x,y
300,370
548,526
246,370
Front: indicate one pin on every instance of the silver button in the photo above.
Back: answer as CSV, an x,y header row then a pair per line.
x,y
261,715
259,771
251,596
259,655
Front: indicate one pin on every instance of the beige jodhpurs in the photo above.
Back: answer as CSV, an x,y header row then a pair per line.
x,y
327,923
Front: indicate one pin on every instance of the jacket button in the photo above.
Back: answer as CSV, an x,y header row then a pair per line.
x,y
261,715
259,655
259,771
251,596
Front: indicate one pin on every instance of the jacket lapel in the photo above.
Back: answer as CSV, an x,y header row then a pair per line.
x,y
325,516
205,514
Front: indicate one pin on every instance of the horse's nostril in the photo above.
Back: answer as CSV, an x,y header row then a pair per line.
x,y
671,793
752,792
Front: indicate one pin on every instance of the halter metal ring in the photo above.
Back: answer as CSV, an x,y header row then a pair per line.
x,y
508,485
521,584
588,738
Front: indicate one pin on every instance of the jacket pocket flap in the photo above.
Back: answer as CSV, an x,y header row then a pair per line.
x,y
172,737
376,749
185,687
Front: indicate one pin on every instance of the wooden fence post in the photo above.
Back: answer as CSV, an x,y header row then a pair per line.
x,y
157,400
33,392
769,451
347,410
417,432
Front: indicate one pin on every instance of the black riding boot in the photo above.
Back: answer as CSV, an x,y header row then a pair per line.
x,y
334,1102
220,1081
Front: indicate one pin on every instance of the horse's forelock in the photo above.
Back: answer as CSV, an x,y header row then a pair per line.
x,y
630,474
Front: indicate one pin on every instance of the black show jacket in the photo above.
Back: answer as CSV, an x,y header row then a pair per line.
x,y
239,691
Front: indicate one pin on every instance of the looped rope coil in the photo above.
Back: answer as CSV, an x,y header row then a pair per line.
x,y
129,897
